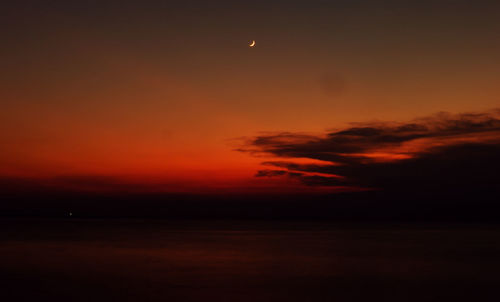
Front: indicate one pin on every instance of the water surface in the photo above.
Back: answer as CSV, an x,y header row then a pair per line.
x,y
94,260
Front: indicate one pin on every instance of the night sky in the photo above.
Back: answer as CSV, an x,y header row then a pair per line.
x,y
168,97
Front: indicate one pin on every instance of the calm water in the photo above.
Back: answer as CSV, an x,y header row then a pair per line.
x,y
236,261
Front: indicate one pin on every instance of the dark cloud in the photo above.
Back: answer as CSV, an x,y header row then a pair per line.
x,y
440,152
270,173
76,183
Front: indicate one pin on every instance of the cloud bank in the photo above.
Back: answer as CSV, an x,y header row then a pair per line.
x,y
440,152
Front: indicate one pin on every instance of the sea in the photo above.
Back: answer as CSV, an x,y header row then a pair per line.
x,y
184,260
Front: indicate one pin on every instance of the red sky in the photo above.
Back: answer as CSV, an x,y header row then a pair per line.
x,y
162,93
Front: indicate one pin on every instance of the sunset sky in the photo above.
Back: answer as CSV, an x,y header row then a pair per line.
x,y
168,96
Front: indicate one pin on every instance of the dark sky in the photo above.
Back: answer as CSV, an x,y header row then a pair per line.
x,y
163,95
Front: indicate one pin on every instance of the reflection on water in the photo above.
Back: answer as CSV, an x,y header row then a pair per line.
x,y
230,261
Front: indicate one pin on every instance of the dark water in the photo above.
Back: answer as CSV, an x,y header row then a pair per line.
x,y
236,261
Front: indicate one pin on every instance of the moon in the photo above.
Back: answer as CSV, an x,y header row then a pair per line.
x,y
252,44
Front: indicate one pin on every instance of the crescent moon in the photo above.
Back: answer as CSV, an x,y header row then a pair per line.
x,y
252,44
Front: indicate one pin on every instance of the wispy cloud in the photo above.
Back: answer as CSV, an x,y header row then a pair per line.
x,y
443,150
